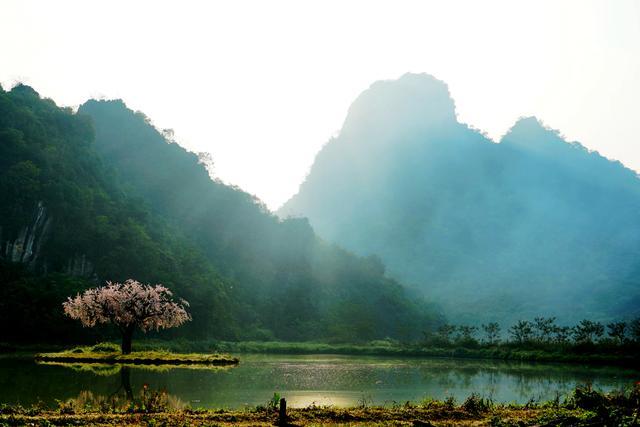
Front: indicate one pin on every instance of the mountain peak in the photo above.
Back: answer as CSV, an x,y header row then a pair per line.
x,y
24,90
530,132
530,124
410,102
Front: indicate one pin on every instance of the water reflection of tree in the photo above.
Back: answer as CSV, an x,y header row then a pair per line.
x,y
99,369
125,382
125,398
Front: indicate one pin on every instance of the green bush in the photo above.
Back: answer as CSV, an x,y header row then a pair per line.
x,y
476,404
105,347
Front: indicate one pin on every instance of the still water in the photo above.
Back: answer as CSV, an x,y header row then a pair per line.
x,y
310,379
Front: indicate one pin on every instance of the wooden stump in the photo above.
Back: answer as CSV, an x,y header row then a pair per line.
x,y
282,414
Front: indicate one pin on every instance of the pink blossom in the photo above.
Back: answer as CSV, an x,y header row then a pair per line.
x,y
129,304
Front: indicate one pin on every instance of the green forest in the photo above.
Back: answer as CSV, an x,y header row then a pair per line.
x,y
100,194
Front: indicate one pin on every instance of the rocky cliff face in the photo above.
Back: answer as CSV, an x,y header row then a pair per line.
x,y
80,266
27,246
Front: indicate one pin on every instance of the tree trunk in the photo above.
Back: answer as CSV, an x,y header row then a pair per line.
x,y
125,378
127,336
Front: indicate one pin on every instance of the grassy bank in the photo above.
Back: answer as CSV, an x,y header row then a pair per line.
x,y
585,407
626,357
108,353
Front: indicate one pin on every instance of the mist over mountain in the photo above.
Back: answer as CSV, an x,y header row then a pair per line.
x,y
532,225
101,195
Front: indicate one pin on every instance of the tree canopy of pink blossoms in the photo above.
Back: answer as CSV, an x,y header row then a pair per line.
x,y
128,305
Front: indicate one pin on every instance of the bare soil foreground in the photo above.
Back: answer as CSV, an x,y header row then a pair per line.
x,y
585,407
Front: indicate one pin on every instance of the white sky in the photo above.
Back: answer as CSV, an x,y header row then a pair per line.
x,y
263,85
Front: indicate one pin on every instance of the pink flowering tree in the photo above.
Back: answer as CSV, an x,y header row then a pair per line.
x,y
130,306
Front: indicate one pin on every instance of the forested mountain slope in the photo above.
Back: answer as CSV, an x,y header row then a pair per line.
x,y
101,195
533,225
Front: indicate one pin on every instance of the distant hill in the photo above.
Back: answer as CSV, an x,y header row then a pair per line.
x,y
533,225
102,195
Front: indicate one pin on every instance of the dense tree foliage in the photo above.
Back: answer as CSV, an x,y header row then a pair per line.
x,y
493,231
30,306
540,331
103,195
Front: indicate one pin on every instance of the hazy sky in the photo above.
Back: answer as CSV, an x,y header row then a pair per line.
x,y
263,85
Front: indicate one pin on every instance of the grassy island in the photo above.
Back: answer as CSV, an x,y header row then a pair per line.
x,y
108,353
585,407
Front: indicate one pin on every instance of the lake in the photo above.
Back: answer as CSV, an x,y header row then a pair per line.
x,y
310,379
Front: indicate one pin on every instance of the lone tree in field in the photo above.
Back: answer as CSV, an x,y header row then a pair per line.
x,y
128,305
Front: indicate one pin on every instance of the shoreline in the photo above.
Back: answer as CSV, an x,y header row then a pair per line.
x,y
621,359
627,361
583,407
